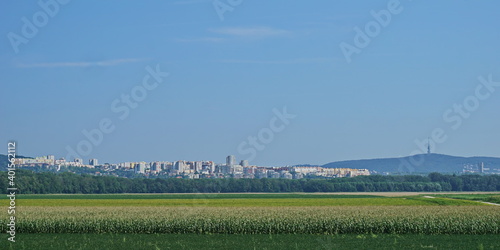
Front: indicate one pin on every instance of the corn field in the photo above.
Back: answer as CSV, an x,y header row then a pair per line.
x,y
260,220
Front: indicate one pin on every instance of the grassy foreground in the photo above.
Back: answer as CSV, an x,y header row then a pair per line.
x,y
231,200
494,198
193,241
193,196
246,202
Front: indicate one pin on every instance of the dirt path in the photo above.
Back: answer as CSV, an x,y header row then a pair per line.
x,y
485,202
491,203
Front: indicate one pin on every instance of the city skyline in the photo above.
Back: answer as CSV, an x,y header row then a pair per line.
x,y
425,163
276,84
185,169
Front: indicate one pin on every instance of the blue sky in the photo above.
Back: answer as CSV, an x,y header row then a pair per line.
x,y
227,76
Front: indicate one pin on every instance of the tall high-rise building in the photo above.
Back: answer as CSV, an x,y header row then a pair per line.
x,y
140,168
244,163
230,160
180,166
51,159
155,167
198,165
93,162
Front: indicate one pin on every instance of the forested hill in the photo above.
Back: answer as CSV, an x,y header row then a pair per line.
x,y
429,163
28,182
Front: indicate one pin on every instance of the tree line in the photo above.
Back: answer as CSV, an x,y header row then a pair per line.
x,y
29,182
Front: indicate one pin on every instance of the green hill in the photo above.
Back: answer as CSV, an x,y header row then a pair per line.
x,y
424,163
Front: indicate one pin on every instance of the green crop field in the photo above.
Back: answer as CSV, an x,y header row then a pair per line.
x,y
261,220
162,221
245,202
255,241
191,196
232,200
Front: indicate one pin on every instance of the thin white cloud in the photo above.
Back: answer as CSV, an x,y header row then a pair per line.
x,y
229,33
80,64
253,32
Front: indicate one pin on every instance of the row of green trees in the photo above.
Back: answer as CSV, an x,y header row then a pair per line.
x,y
29,182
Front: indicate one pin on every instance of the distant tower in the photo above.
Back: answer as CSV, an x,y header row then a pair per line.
x,y
230,160
428,146
180,166
244,163
481,167
93,162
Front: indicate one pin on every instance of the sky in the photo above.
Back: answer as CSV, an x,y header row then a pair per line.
x,y
274,82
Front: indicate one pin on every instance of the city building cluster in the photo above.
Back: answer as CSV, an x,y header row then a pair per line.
x,y
51,161
479,169
195,169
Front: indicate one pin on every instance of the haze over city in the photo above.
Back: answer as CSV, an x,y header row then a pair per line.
x,y
213,84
